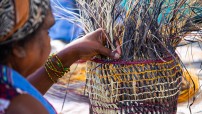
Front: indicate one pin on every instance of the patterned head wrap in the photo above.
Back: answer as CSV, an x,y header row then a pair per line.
x,y
19,18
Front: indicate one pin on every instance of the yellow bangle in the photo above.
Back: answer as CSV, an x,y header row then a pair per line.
x,y
55,66
50,76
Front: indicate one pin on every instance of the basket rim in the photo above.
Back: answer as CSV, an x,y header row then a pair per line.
x,y
119,61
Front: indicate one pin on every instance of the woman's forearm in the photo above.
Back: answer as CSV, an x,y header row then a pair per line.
x,y
41,80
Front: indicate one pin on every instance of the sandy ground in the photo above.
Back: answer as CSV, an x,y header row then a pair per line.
x,y
68,99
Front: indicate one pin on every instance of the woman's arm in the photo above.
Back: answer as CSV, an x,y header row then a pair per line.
x,y
83,48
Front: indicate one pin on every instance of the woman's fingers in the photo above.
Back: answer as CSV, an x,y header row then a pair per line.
x,y
107,52
118,47
99,35
96,34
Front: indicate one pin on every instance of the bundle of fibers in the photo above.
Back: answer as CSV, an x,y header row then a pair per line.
x,y
187,88
148,76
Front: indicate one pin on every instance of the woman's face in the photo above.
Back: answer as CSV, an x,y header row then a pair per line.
x,y
38,49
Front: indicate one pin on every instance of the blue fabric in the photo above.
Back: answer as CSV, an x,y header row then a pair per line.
x,y
63,29
18,81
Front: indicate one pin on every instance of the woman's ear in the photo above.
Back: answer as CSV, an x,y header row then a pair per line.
x,y
19,51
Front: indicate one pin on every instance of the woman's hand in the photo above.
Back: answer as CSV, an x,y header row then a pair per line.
x,y
91,45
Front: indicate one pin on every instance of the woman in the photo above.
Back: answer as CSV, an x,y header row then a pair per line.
x,y
24,50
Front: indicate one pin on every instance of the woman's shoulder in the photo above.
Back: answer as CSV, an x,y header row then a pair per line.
x,y
25,104
19,87
13,101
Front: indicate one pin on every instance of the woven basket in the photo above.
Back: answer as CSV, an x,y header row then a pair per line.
x,y
149,86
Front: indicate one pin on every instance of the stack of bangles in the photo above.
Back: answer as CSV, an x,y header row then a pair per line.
x,y
54,67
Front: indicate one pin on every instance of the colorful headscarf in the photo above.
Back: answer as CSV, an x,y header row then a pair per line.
x,y
19,18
